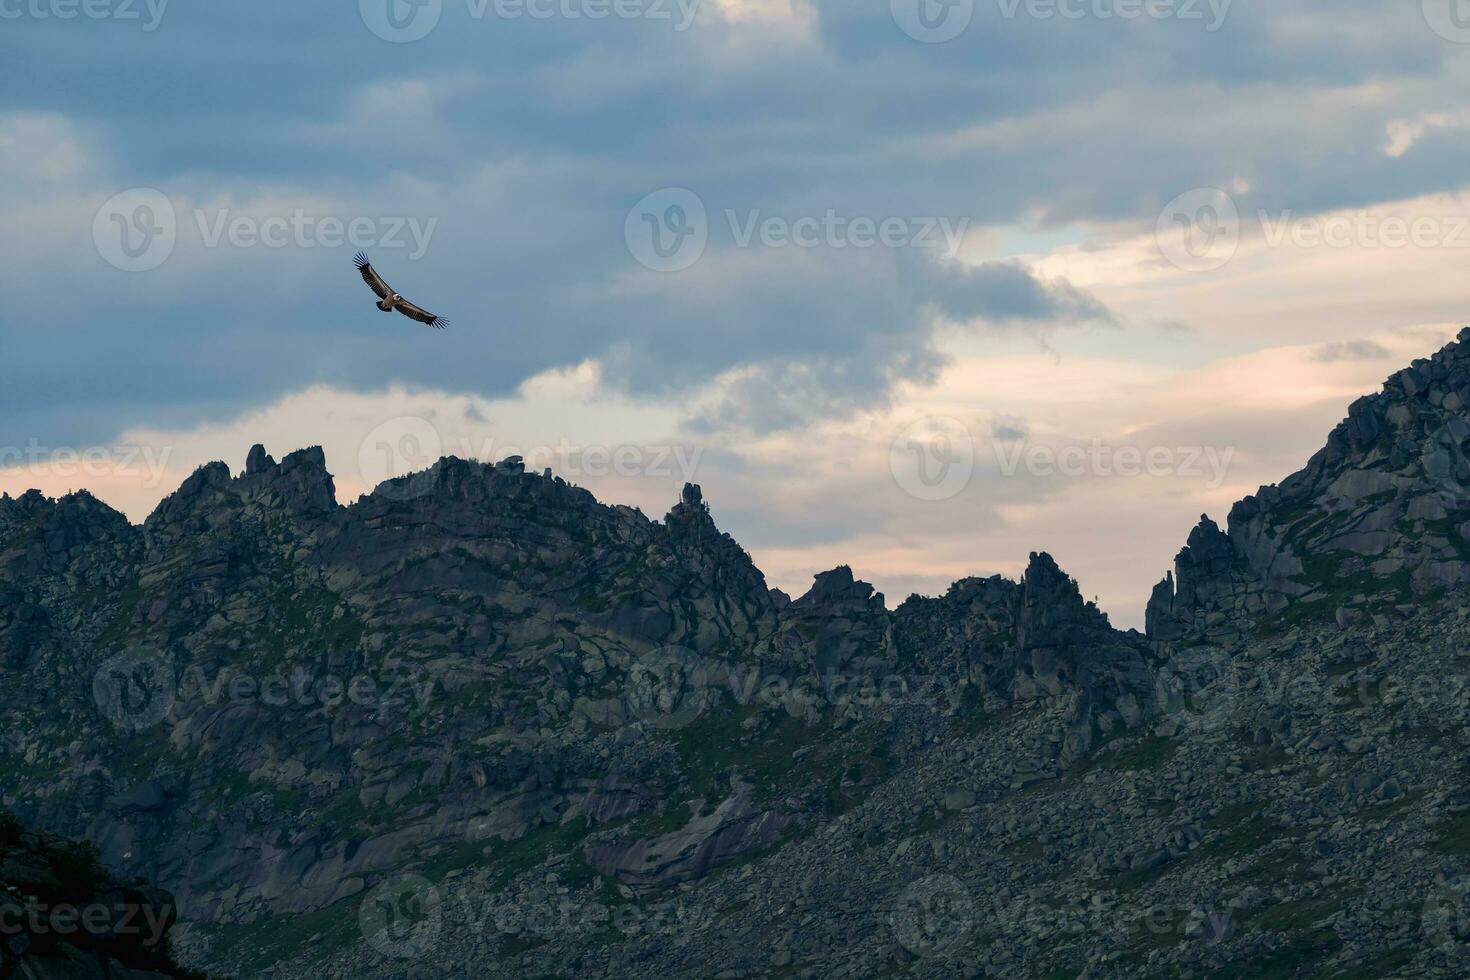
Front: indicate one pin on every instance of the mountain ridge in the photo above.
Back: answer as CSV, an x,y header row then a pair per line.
x,y
479,679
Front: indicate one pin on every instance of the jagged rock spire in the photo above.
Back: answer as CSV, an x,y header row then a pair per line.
x,y
258,461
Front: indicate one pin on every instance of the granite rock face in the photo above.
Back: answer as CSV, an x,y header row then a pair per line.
x,y
1380,513
735,827
1030,641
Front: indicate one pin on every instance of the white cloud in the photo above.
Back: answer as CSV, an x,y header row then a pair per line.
x,y
793,15
1403,134
39,150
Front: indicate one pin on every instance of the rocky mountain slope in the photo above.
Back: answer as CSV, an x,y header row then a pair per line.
x,y
479,717
1381,511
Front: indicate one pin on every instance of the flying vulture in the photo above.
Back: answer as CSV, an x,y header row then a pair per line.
x,y
388,300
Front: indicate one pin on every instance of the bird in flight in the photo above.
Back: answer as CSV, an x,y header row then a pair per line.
x,y
388,300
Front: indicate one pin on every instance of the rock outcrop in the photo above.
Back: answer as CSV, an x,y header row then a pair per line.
x,y
1028,641
734,828
1378,516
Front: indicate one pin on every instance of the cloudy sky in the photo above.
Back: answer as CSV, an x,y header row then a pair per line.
x,y
919,286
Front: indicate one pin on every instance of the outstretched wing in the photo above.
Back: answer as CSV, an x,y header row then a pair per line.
x,y
421,315
370,276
